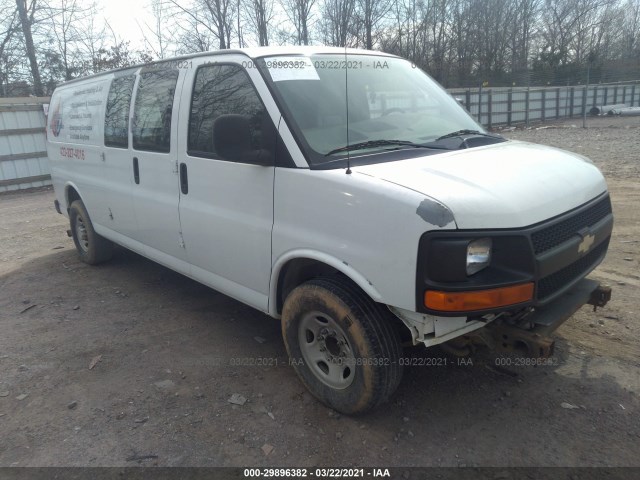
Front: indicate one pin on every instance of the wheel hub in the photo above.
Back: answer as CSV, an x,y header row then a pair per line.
x,y
326,350
81,234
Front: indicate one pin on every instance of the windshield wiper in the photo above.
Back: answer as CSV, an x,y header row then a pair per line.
x,y
380,143
466,132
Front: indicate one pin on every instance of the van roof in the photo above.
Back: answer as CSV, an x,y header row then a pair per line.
x,y
252,52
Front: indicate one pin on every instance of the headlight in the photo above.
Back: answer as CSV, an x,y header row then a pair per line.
x,y
478,255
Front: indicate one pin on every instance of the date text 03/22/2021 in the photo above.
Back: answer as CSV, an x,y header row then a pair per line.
x,y
403,361
316,472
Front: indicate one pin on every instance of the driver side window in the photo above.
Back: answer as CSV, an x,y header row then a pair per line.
x,y
221,92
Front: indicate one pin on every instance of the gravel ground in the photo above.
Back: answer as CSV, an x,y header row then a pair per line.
x,y
130,364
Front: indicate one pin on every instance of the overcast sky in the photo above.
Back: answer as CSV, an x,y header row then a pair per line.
x,y
122,16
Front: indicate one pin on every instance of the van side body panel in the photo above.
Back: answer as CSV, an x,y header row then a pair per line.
x,y
74,143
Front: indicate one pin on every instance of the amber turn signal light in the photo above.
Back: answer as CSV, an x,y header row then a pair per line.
x,y
479,299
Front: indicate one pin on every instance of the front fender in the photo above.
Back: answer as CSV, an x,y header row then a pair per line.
x,y
322,257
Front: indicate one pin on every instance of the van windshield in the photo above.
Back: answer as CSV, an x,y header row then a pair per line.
x,y
391,105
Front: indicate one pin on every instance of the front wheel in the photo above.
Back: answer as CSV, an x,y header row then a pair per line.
x,y
343,346
92,248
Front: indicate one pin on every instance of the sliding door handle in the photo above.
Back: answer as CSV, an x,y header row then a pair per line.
x,y
184,179
136,171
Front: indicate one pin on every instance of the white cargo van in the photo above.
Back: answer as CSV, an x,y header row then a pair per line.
x,y
341,191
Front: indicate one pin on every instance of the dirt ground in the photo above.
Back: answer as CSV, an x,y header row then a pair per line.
x,y
131,364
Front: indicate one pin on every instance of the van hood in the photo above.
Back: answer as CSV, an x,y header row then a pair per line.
x,y
507,185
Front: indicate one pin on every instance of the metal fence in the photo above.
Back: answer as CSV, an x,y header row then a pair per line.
x,y
23,151
509,106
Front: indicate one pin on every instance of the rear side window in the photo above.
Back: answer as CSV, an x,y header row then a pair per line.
x,y
153,110
222,90
116,119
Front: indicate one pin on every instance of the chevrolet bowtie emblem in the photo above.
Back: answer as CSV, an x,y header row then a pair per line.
x,y
585,244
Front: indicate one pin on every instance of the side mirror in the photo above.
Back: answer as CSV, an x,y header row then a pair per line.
x,y
232,140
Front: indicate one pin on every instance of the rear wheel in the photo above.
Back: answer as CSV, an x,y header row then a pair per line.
x,y
92,248
343,346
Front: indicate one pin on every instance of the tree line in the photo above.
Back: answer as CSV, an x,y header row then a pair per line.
x,y
459,42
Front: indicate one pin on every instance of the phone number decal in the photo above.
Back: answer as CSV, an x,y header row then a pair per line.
x,y
77,153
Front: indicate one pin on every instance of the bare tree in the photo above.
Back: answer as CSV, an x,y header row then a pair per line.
x,y
189,30
404,39
370,14
593,32
522,32
436,18
26,14
68,21
197,38
423,31
299,13
460,42
492,21
9,25
463,47
159,36
630,40
216,16
259,14
562,22
239,29
338,15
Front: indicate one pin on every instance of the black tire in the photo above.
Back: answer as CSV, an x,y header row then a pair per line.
x,y
365,335
92,248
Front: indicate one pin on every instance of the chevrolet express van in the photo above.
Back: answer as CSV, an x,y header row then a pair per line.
x,y
342,192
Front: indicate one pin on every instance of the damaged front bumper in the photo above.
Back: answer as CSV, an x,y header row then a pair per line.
x,y
535,341
528,336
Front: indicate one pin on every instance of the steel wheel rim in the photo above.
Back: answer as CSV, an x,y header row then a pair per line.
x,y
326,350
81,234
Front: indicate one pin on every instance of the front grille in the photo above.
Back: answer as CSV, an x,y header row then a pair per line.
x,y
556,281
554,235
